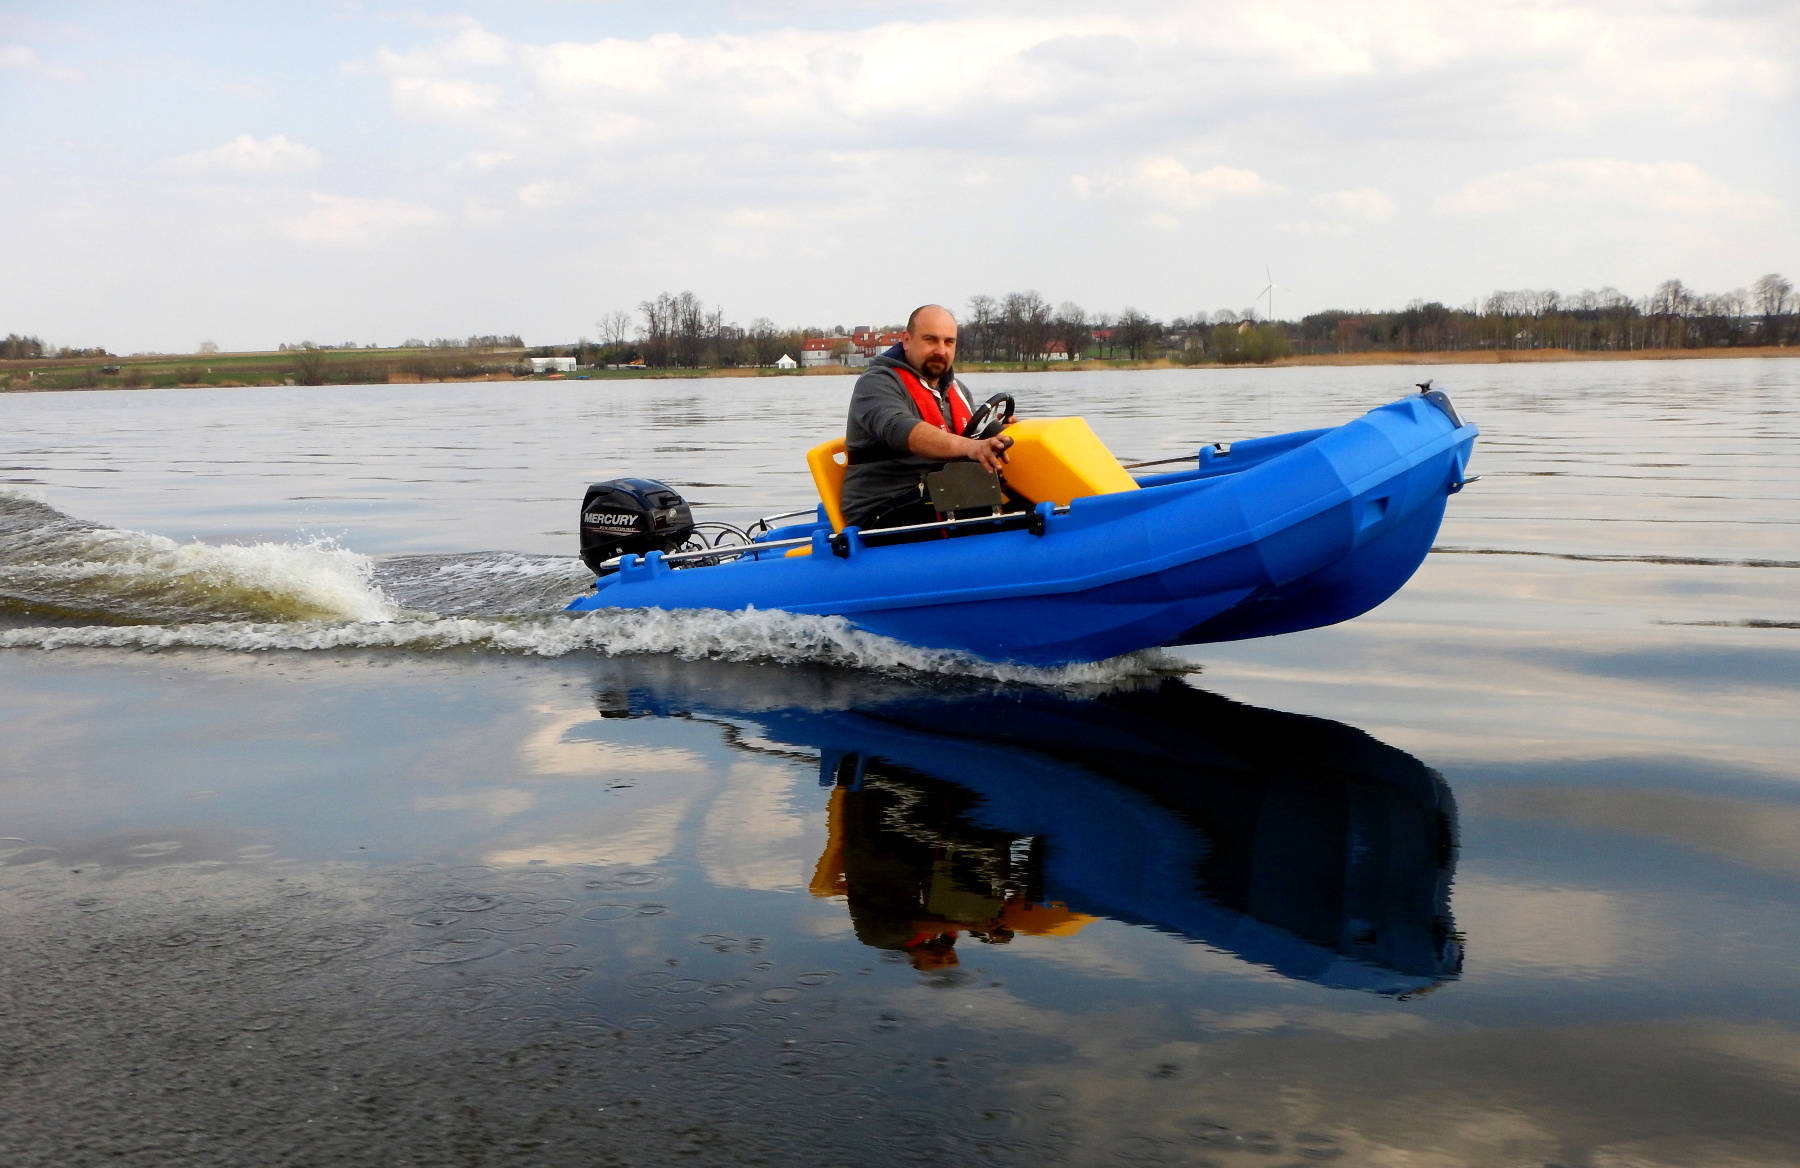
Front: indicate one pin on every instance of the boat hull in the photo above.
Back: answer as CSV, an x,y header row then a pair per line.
x,y
1302,531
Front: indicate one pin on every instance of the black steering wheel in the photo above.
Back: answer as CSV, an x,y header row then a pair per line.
x,y
990,417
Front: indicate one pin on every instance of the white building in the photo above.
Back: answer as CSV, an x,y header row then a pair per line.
x,y
553,364
821,351
786,362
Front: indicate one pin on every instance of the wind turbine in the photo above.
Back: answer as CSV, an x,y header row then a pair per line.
x,y
1269,290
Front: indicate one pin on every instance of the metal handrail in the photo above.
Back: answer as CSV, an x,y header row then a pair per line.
x,y
806,540
942,524
1220,450
702,553
768,519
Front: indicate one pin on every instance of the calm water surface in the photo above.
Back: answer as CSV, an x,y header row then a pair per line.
x,y
329,842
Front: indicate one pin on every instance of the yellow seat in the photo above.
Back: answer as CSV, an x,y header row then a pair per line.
x,y
1057,460
827,461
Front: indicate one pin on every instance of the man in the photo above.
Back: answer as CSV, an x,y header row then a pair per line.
x,y
907,415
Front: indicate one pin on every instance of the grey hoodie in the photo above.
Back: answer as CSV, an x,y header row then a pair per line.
x,y
882,414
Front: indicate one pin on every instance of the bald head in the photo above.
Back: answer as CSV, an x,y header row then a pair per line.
x,y
930,340
923,309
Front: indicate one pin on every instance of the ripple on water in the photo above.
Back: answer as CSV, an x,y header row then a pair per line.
x,y
455,950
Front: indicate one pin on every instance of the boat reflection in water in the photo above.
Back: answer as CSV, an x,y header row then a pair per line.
x,y
1295,843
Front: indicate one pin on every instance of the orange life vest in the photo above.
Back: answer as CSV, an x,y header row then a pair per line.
x,y
927,402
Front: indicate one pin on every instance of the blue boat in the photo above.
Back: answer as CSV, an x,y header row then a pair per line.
x,y
1261,537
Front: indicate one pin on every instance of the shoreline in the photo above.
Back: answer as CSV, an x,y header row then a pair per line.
x,y
1438,357
1537,356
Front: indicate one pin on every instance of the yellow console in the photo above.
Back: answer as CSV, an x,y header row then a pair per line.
x,y
1056,460
1052,460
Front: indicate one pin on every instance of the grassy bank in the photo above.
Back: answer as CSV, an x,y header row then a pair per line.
x,y
1529,356
403,366
284,367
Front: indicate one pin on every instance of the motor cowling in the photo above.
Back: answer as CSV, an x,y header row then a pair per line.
x,y
632,517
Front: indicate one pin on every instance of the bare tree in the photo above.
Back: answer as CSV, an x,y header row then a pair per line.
x,y
17,348
1772,294
677,329
765,342
1669,306
1103,334
692,326
1671,298
978,329
1137,332
615,328
1073,330
656,339
1027,319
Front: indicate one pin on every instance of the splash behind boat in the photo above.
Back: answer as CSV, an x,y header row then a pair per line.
x,y
1266,536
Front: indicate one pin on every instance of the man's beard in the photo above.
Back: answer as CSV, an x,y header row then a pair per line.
x,y
935,366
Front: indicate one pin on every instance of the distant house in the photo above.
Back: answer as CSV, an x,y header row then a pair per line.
x,y
552,364
786,362
1056,351
824,351
870,343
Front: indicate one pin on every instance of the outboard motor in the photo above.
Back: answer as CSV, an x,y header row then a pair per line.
x,y
632,516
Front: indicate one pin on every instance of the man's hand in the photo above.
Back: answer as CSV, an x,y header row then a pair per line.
x,y
990,452
927,441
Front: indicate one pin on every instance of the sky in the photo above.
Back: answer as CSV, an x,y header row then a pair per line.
x,y
250,174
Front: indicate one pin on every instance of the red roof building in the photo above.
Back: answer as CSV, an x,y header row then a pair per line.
x,y
872,344
825,351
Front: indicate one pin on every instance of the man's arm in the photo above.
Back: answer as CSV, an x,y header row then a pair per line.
x,y
883,411
927,441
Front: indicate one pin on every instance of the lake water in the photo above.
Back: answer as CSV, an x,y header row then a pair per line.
x,y
329,841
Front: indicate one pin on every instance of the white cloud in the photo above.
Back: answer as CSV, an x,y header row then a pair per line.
x,y
1166,185
1337,229
1609,185
496,802
639,834
340,219
754,834
438,99
549,194
1551,930
1164,179
1112,144
552,750
20,59
1035,76
247,155
1365,203
1343,209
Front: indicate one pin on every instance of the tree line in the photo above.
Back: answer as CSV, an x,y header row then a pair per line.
x,y
14,347
1672,316
678,330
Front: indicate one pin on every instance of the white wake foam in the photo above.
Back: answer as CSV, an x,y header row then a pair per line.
x,y
752,635
317,580
47,558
